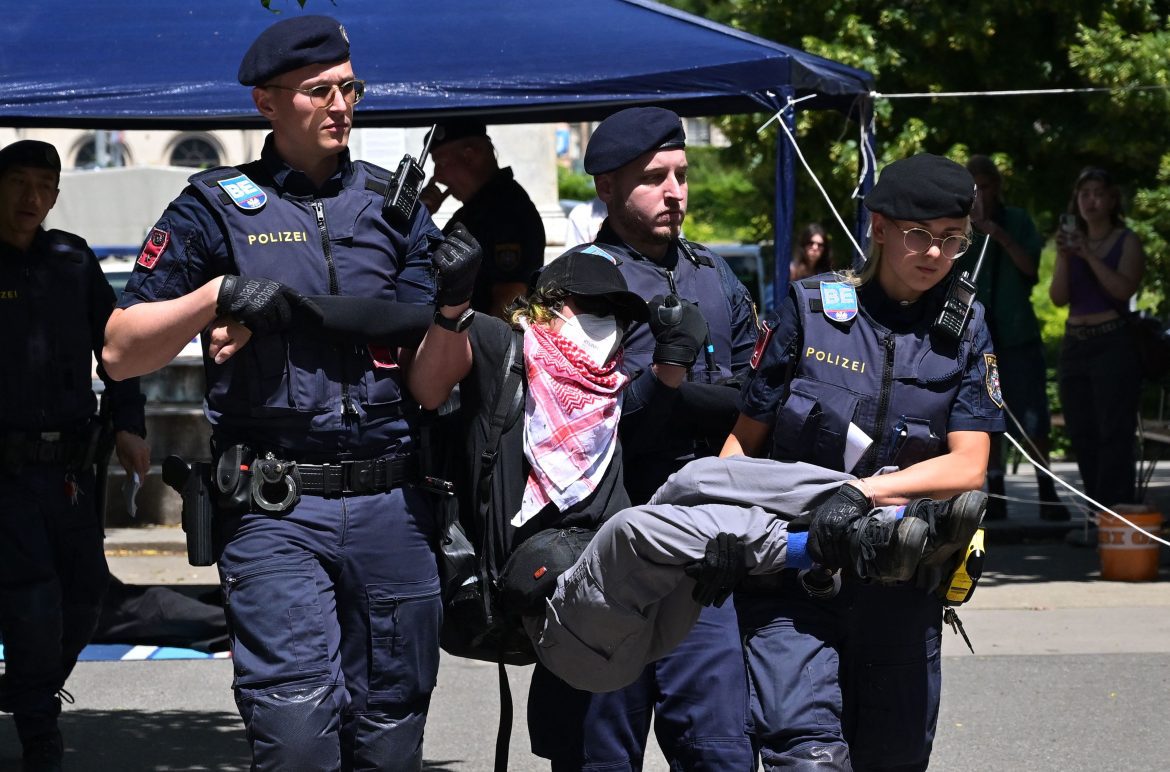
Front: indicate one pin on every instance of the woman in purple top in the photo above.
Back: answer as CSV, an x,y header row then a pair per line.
x,y
1099,264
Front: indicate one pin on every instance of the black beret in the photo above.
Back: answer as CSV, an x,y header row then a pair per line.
x,y
922,187
457,128
31,153
291,44
627,134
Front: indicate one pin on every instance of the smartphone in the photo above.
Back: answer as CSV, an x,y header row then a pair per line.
x,y
1068,223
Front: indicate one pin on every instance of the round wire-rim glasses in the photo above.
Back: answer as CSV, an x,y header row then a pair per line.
x,y
920,240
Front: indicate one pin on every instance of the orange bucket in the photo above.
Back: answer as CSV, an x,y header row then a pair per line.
x,y
1128,555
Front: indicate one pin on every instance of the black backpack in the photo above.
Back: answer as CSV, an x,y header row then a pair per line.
x,y
474,542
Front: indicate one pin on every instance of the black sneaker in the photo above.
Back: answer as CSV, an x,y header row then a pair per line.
x,y
887,551
44,753
952,523
843,535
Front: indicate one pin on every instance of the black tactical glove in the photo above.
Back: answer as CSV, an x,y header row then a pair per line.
x,y
720,570
456,263
831,525
261,305
679,330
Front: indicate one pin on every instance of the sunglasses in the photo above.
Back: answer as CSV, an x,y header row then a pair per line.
x,y
352,92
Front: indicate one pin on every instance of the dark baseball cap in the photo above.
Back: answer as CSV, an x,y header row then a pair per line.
x,y
530,575
629,133
291,44
31,153
922,187
590,271
457,128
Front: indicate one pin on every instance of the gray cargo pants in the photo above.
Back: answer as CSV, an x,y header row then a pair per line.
x,y
626,602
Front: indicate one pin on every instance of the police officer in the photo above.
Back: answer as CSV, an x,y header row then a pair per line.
x,y
54,303
329,579
496,210
853,375
701,332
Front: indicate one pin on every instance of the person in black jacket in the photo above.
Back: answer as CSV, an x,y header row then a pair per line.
x,y
54,303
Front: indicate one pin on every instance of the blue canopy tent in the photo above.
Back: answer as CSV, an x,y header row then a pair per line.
x,y
140,64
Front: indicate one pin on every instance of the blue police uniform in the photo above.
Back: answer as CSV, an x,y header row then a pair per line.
x,y
54,304
333,605
859,675
698,693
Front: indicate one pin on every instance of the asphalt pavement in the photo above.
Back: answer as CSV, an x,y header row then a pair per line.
x,y
1070,672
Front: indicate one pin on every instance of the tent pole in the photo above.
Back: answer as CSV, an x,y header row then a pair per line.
x,y
868,149
785,201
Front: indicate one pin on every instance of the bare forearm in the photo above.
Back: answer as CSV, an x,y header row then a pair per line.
x,y
147,336
441,361
962,469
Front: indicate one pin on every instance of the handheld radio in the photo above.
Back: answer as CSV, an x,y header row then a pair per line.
x,y
405,185
956,310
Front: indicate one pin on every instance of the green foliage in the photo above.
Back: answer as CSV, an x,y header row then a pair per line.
x,y
1042,141
576,185
721,200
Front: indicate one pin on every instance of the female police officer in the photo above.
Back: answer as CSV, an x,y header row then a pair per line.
x,y
855,368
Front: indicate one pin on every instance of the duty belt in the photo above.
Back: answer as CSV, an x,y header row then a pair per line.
x,y
356,478
18,448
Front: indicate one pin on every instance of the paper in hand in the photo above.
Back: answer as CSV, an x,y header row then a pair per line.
x,y
130,492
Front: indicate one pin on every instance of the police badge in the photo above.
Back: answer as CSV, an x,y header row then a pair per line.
x,y
992,379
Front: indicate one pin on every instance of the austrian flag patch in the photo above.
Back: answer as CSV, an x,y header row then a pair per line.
x,y
152,250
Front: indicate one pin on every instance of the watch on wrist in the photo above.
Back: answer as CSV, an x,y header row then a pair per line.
x,y
458,324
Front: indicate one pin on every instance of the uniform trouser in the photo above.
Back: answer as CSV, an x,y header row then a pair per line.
x,y
333,610
1100,386
53,574
847,684
696,696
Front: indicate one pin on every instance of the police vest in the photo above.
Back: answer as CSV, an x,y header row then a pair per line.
x,y
47,314
898,388
282,386
697,278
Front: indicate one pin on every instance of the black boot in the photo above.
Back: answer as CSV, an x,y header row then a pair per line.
x,y
1051,507
952,523
43,752
843,535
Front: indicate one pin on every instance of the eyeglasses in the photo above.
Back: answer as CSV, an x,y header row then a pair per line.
x,y
920,240
352,92
817,244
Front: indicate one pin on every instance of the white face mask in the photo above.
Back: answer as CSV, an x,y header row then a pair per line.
x,y
598,336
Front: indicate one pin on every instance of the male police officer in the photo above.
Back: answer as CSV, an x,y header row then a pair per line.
x,y
54,303
329,580
496,210
638,160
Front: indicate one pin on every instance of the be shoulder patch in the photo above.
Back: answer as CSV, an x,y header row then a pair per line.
x,y
156,244
838,301
244,193
992,379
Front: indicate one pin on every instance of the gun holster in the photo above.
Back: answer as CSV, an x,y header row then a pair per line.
x,y
193,482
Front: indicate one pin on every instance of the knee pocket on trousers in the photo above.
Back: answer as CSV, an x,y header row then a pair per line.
x,y
278,626
897,690
404,640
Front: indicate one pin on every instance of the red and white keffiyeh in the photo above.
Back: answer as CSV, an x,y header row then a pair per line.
x,y
570,420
